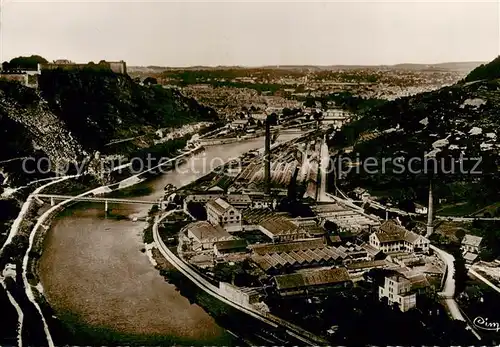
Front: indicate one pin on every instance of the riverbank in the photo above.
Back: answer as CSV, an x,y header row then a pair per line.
x,y
23,248
35,290
73,322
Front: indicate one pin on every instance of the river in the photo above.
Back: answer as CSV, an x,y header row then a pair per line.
x,y
96,277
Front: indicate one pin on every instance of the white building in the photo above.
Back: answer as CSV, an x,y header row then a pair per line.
x,y
471,243
394,238
219,212
420,209
397,290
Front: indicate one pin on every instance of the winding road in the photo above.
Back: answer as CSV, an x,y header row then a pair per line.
x,y
214,291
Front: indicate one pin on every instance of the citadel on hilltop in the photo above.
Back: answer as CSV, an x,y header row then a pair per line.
x,y
115,66
29,77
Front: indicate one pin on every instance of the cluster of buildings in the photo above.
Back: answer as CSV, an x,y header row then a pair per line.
x,y
328,249
297,256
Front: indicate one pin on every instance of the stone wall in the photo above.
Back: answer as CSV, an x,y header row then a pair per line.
x,y
116,67
15,77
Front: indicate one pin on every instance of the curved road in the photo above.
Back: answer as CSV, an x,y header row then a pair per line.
x,y
209,288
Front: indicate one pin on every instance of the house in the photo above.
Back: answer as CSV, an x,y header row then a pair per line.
x,y
230,246
220,213
420,209
239,201
358,192
392,237
239,123
199,198
471,243
204,235
262,201
280,229
244,296
365,196
397,289
313,282
63,62
470,257
471,246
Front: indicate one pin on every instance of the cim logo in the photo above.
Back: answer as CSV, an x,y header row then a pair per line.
x,y
484,324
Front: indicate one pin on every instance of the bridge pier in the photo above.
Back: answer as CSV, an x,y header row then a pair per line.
x,y
106,208
52,202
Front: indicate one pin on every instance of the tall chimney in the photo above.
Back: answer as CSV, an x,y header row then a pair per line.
x,y
430,211
267,160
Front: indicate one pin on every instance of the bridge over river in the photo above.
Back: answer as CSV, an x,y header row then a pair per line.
x,y
106,200
97,280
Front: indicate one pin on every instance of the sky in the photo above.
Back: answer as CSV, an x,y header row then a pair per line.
x,y
252,33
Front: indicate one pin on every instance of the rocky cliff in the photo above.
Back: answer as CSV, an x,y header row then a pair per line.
x,y
75,114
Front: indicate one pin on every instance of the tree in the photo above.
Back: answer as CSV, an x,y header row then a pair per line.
x,y
272,119
310,102
5,66
197,210
460,274
150,81
27,63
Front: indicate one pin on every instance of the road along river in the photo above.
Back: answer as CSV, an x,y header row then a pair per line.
x,y
104,288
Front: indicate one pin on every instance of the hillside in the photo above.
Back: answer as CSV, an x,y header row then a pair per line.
x,y
76,113
460,120
487,71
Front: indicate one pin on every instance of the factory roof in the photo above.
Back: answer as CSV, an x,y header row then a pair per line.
x,y
219,205
204,231
312,278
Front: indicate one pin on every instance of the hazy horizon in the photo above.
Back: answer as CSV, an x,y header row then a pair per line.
x,y
313,65
236,33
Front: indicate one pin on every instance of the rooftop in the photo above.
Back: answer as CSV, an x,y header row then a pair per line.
x,y
469,256
238,198
279,225
203,230
231,244
472,240
219,205
312,278
392,232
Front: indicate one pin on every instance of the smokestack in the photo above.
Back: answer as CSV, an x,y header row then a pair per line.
x,y
430,211
267,159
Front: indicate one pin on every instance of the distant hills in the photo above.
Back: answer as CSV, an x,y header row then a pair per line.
x,y
454,121
449,66
487,71
76,113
